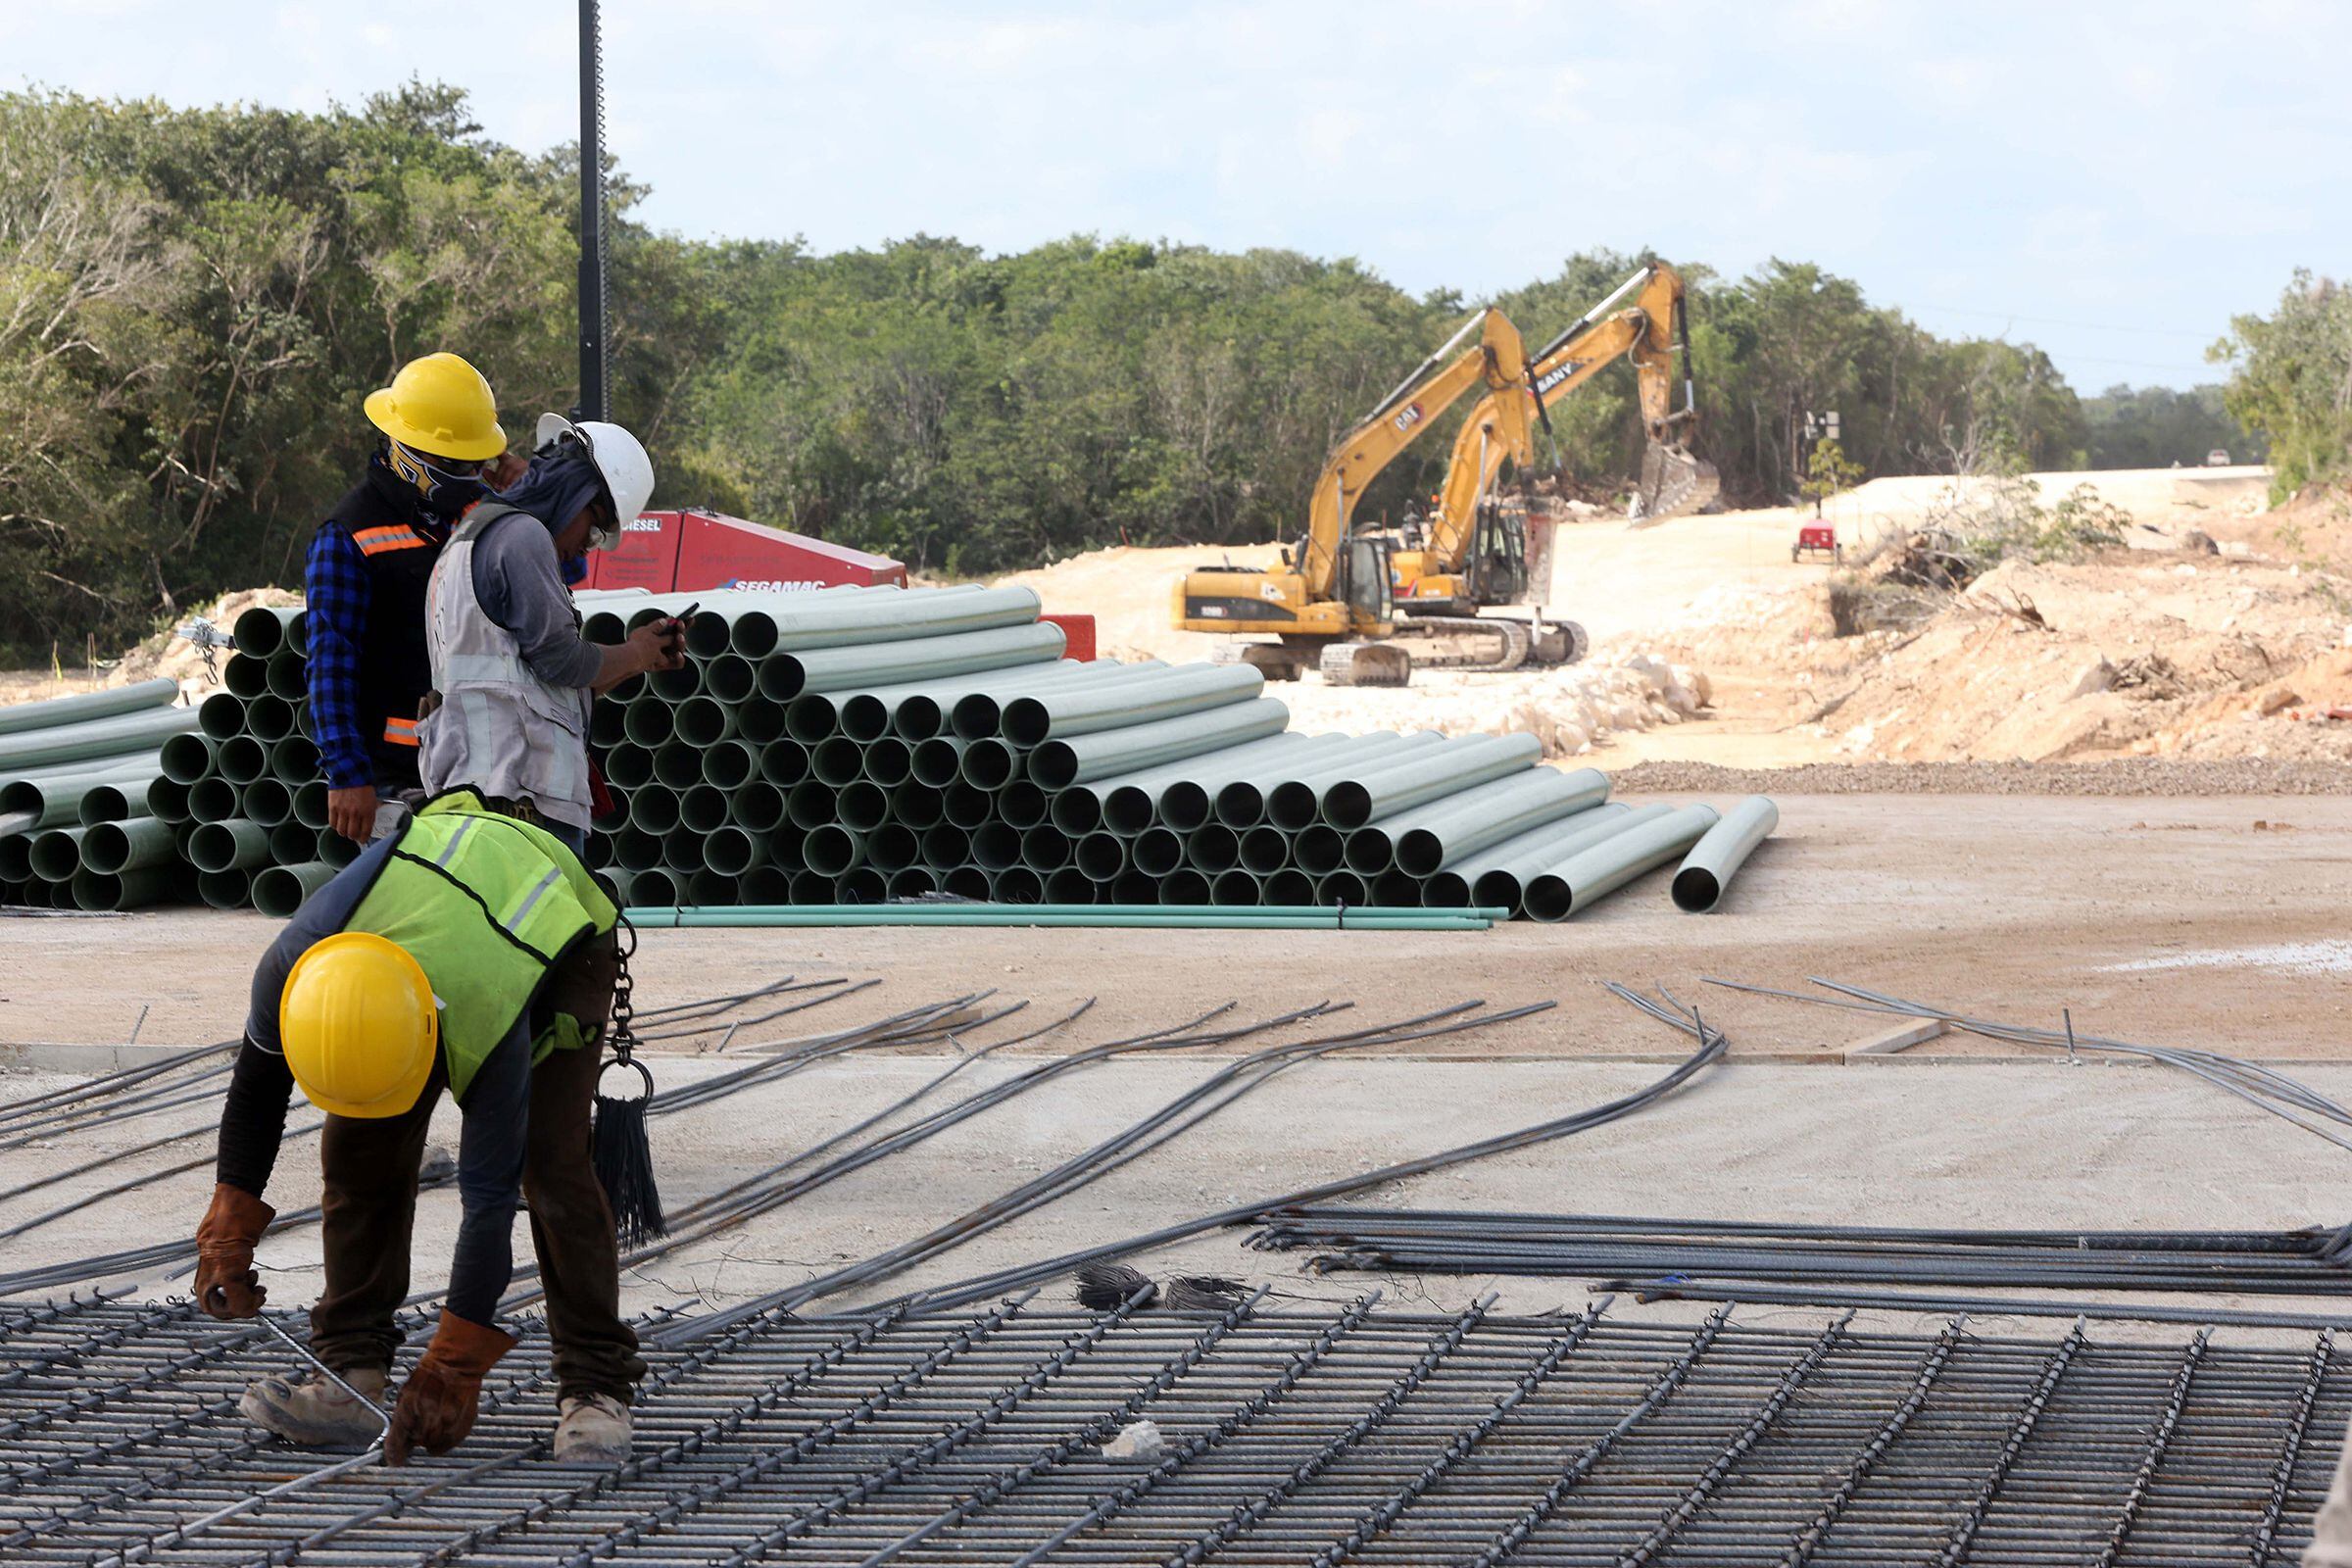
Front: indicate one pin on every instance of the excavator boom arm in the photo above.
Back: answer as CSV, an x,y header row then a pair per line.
x,y
1498,427
1497,362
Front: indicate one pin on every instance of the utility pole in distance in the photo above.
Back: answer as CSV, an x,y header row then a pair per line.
x,y
592,404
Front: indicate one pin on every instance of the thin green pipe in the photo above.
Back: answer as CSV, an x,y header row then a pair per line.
x,y
1271,918
1026,914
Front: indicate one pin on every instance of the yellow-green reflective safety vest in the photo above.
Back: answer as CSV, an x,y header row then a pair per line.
x,y
486,905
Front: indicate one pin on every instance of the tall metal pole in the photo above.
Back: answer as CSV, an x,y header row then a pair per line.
x,y
592,218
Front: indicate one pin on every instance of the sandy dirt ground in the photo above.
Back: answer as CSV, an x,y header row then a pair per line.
x,y
2015,906
2217,628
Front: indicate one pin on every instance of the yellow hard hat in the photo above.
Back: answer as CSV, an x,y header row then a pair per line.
x,y
358,1024
439,404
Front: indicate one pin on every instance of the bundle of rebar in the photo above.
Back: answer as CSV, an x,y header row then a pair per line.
x,y
1015,1433
1633,1250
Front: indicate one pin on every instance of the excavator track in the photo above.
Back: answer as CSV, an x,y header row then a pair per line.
x,y
1511,638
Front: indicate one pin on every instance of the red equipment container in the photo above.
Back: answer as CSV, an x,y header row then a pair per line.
x,y
679,551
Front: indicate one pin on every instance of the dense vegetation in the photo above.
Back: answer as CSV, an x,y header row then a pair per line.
x,y
2293,380
2157,426
193,302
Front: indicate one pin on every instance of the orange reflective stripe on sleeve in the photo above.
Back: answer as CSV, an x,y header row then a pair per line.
x,y
392,536
400,731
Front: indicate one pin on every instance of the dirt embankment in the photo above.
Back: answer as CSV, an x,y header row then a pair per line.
x,y
2215,631
2206,635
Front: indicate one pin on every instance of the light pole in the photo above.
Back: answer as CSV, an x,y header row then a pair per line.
x,y
592,404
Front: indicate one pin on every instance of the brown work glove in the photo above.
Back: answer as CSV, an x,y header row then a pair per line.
x,y
226,1285
444,1393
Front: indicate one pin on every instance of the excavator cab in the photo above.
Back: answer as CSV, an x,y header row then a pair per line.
x,y
1366,585
1497,563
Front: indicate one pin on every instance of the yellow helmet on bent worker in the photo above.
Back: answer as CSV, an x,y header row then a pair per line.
x,y
440,405
358,1026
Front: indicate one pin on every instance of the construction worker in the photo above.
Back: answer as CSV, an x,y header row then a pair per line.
x,y
512,675
364,582
469,950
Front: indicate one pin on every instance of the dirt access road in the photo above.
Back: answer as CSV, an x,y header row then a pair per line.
x,y
2136,913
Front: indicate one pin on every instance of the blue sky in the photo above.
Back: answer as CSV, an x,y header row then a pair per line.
x,y
2112,182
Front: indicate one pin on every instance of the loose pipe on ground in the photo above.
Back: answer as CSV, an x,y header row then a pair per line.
x,y
1707,870
1599,869
1458,826
1494,876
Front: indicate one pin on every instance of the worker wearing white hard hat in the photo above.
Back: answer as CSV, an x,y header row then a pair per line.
x,y
513,675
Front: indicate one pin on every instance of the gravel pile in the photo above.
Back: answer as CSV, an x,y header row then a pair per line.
x,y
2135,775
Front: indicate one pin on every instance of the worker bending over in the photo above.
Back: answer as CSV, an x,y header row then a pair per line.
x,y
512,675
364,582
472,951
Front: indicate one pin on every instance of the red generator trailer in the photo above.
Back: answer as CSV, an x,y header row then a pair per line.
x,y
1820,538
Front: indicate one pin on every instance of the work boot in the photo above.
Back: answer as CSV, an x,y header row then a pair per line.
x,y
314,1411
594,1430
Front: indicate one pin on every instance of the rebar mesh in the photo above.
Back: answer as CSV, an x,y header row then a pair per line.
x,y
1347,1436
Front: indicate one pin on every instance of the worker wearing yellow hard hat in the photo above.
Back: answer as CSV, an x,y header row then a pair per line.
x,y
469,950
441,448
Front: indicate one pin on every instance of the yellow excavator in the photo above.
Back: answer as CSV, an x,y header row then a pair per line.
x,y
1340,599
1471,548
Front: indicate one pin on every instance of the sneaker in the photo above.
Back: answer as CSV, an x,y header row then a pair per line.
x,y
316,1411
594,1429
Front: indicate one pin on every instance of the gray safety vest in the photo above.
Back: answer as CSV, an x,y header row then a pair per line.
x,y
499,729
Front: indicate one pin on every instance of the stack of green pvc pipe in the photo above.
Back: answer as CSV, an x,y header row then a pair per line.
x,y
244,790
865,746
74,827
858,747
136,802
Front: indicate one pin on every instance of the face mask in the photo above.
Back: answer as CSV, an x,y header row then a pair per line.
x,y
447,493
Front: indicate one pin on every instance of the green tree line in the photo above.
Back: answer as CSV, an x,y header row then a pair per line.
x,y
2293,380
193,302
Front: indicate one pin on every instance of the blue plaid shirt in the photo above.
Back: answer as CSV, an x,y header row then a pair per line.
x,y
334,588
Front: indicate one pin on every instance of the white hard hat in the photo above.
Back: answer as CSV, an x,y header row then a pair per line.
x,y
619,456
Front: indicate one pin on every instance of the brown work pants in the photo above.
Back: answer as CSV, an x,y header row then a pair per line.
x,y
370,1167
